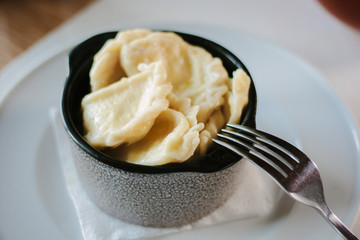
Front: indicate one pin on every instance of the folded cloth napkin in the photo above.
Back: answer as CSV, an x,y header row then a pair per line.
x,y
256,196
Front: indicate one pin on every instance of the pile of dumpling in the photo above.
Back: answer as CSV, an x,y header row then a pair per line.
x,y
156,99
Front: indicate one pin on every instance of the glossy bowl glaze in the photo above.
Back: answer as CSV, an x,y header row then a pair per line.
x,y
169,195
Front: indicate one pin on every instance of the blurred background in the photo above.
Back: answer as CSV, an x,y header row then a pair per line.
x,y
23,22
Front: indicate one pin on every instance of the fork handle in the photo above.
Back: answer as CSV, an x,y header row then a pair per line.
x,y
334,221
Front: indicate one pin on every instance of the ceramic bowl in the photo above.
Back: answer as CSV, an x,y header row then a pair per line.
x,y
169,195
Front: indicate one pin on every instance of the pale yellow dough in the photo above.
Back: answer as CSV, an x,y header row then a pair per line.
x,y
171,139
156,99
124,111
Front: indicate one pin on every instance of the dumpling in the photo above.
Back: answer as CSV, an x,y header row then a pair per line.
x,y
158,46
238,96
124,111
105,70
207,85
185,107
193,72
171,139
213,125
107,67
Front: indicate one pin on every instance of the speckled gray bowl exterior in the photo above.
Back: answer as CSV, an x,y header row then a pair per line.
x,y
154,200
170,195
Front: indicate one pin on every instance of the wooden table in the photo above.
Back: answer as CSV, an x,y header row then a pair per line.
x,y
23,22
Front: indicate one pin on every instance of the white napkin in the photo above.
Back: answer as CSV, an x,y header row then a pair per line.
x,y
256,196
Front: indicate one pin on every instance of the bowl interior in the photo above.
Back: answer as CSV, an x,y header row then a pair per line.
x,y
78,85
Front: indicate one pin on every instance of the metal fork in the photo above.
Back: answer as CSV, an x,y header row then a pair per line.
x,y
291,169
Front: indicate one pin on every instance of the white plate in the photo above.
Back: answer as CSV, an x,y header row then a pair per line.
x,y
294,102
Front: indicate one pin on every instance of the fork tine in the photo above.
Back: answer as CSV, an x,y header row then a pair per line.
x,y
270,150
252,155
274,141
260,151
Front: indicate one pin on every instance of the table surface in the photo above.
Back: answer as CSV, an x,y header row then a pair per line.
x,y
304,28
22,23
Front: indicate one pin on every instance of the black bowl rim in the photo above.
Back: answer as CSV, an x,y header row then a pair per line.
x,y
248,118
